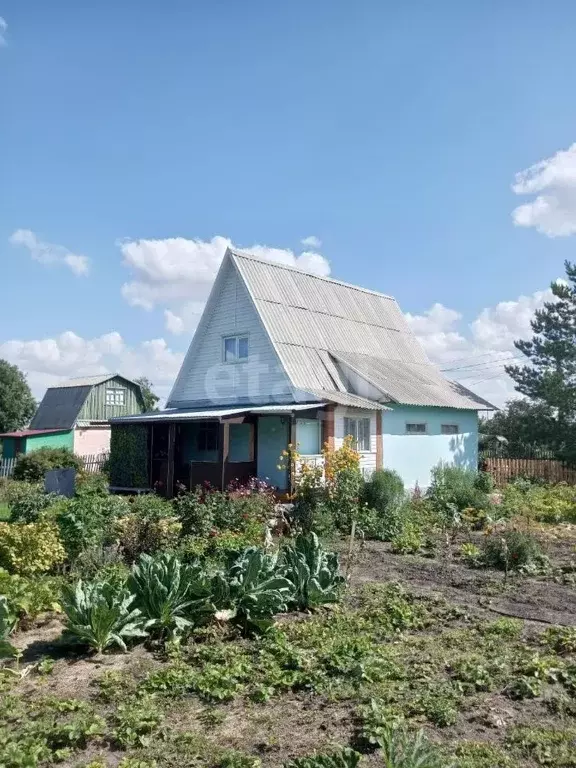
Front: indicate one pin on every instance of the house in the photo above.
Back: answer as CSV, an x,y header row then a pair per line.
x,y
75,414
281,356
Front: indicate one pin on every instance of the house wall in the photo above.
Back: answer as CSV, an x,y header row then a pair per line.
x,y
57,440
95,408
205,379
8,447
414,456
91,440
367,458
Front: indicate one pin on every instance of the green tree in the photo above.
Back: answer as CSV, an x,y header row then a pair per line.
x,y
150,398
522,423
549,377
17,405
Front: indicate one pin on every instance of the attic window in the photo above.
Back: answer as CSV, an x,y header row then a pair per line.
x,y
235,348
115,396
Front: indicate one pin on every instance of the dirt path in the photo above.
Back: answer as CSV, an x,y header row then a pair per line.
x,y
522,597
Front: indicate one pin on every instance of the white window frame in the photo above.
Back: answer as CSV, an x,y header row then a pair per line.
x,y
115,396
236,337
449,429
351,427
416,424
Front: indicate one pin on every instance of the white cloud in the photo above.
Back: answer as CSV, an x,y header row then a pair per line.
x,y
49,253
477,352
311,241
48,361
553,181
177,273
3,28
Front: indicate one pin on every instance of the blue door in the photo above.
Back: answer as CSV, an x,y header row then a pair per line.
x,y
273,438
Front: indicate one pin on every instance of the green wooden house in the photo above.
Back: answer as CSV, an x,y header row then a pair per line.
x,y
75,414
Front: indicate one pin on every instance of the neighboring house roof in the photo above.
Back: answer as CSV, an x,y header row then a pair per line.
x,y
315,322
62,404
32,432
91,381
60,407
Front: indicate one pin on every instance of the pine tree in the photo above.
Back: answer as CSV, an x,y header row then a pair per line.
x,y
550,376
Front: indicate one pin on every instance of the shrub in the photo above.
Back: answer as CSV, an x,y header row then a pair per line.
x,y
99,616
384,491
88,521
454,489
195,514
33,466
510,550
27,501
92,484
30,548
150,526
409,540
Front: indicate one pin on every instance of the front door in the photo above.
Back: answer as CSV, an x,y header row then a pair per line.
x,y
273,438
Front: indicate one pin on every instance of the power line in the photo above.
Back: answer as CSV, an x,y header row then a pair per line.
x,y
498,361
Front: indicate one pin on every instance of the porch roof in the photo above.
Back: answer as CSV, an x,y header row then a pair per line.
x,y
184,414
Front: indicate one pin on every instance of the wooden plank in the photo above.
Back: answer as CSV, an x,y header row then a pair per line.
x,y
328,427
379,446
171,452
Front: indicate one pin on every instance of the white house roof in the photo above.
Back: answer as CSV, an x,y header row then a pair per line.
x,y
315,322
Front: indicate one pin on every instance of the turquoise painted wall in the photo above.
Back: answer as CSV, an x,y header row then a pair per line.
x,y
273,438
239,442
414,456
58,440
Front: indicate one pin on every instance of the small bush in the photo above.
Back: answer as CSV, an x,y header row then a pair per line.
x,y
30,596
409,540
510,550
195,514
30,548
454,489
33,466
150,526
88,521
27,501
384,489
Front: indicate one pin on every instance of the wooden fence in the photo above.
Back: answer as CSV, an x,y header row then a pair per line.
x,y
92,463
7,467
551,470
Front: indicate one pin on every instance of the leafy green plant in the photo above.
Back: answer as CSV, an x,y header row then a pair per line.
x,y
560,639
409,540
30,596
99,616
254,590
8,620
457,488
341,758
401,748
471,554
385,494
313,572
135,721
171,596
33,466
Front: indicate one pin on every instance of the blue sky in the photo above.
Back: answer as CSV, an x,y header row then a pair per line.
x,y
391,132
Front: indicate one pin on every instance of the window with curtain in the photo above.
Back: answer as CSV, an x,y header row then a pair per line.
x,y
360,431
